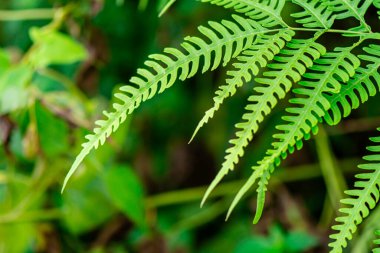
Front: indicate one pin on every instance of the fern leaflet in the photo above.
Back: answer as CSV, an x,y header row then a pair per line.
x,y
376,242
227,38
365,83
288,67
258,55
377,5
315,14
265,12
325,77
361,199
351,8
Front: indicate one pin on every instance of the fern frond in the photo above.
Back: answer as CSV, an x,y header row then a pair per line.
x,y
226,40
315,14
365,83
377,5
261,191
325,76
360,200
376,242
351,8
287,68
245,188
265,12
248,64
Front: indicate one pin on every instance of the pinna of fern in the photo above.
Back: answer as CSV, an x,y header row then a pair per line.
x,y
248,64
364,84
365,80
288,66
315,15
293,136
162,71
299,53
304,116
326,85
376,242
360,200
266,13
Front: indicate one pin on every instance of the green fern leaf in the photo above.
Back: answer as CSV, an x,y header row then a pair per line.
x,y
288,67
227,40
365,83
325,76
351,8
315,14
361,199
258,55
261,191
245,188
377,5
376,242
265,12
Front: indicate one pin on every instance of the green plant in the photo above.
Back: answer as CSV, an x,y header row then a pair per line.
x,y
361,199
376,242
326,84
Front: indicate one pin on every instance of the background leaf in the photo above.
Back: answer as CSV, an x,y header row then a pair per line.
x,y
52,47
126,192
52,131
13,88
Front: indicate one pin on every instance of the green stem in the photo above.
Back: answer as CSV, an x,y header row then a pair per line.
x,y
332,174
142,5
42,179
32,14
166,7
365,35
298,173
31,216
362,242
327,215
202,217
67,82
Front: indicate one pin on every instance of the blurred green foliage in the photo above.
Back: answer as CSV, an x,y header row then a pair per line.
x,y
59,65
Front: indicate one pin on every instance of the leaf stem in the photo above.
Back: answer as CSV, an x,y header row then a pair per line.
x,y
302,172
31,14
368,35
332,174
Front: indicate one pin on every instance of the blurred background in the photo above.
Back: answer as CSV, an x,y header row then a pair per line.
x,y
61,61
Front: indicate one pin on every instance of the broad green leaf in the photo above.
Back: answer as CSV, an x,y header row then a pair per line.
x,y
4,61
13,88
127,193
261,245
52,47
52,131
15,237
299,241
66,102
274,243
86,205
